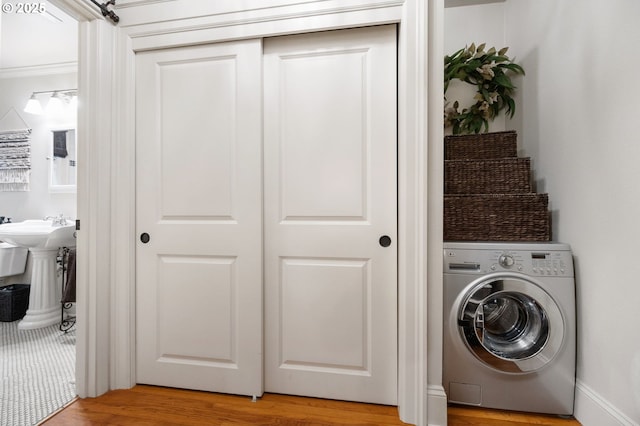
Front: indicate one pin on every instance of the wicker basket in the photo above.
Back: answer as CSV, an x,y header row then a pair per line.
x,y
497,176
14,300
481,146
497,217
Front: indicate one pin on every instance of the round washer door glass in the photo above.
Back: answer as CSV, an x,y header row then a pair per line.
x,y
511,324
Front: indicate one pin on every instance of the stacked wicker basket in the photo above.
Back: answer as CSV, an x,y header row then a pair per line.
x,y
487,191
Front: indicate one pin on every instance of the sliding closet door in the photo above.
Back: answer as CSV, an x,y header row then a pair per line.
x,y
331,215
199,217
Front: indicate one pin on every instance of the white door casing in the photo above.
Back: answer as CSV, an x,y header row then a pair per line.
x,y
199,198
106,330
330,194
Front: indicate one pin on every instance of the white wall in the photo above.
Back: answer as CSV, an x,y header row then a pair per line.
x,y
473,24
577,108
38,202
579,120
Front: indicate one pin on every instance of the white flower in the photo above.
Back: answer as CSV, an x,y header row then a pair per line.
x,y
484,107
450,113
486,71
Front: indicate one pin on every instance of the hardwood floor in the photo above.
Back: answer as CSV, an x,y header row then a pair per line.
x,y
150,405
466,416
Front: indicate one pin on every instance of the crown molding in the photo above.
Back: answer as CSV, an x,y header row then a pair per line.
x,y
39,70
457,3
78,9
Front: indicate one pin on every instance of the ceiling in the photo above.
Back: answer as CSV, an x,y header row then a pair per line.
x,y
30,40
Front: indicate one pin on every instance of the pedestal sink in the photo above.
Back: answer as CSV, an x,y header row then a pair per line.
x,y
43,238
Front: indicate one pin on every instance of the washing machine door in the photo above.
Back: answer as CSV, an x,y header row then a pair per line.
x,y
511,324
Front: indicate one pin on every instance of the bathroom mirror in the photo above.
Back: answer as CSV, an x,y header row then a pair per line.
x,y
62,161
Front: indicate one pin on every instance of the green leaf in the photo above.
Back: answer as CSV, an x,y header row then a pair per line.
x,y
513,67
486,126
495,109
511,107
455,56
493,58
503,81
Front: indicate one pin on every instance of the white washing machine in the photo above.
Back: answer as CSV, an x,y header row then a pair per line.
x,y
510,326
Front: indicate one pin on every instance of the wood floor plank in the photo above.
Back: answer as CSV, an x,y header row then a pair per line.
x,y
152,406
465,416
148,405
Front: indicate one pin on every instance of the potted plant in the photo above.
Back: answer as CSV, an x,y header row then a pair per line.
x,y
490,71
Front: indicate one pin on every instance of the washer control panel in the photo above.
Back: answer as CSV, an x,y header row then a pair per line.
x,y
509,260
550,264
536,261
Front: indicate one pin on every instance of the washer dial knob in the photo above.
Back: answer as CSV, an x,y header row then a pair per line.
x,y
506,261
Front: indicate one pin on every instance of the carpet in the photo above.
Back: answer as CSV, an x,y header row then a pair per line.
x,y
38,372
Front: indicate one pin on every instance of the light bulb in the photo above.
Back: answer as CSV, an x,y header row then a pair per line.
x,y
55,105
73,103
33,106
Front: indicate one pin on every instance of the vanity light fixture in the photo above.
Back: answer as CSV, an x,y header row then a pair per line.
x,y
58,100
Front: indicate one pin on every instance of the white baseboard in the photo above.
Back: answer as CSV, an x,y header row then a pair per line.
x,y
436,406
591,409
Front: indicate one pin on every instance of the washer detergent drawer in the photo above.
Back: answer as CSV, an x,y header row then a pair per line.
x,y
465,393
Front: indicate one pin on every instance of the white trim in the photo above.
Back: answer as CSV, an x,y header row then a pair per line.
x,y
95,241
436,397
79,9
172,14
436,405
39,70
94,69
134,3
124,361
412,148
229,27
458,3
591,409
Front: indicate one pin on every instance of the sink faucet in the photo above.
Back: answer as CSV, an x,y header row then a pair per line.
x,y
57,220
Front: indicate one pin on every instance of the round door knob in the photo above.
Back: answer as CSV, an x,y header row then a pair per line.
x,y
144,237
385,241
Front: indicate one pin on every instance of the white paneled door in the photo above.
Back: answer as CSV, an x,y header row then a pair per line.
x,y
199,200
267,216
331,215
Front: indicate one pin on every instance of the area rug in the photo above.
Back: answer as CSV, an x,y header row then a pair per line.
x,y
38,372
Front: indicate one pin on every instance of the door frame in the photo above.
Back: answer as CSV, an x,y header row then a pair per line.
x,y
106,188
